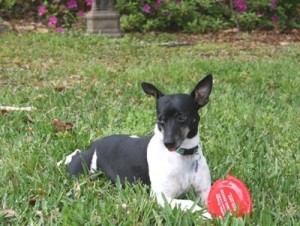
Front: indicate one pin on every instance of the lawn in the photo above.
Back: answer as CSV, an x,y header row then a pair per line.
x,y
250,127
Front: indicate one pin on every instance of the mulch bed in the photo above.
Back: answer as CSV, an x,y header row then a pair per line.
x,y
229,35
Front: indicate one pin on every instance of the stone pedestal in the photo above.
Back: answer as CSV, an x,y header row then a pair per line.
x,y
103,20
4,26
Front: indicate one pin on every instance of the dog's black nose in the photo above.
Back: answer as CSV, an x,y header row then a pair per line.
x,y
171,146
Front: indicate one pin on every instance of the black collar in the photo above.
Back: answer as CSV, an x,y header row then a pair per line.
x,y
185,151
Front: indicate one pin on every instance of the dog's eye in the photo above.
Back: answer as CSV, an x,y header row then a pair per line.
x,y
181,118
161,119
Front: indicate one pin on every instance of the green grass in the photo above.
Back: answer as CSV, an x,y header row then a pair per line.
x,y
250,127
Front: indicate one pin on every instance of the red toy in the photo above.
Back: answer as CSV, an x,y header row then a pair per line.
x,y
229,194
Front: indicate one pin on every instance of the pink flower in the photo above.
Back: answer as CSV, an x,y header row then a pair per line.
x,y
240,5
52,21
273,4
81,13
275,19
42,10
59,29
89,2
72,4
157,4
147,8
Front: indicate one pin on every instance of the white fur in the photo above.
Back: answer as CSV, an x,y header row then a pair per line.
x,y
69,158
172,174
93,167
134,136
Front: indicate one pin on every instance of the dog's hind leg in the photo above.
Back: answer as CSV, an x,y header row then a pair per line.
x,y
81,162
69,157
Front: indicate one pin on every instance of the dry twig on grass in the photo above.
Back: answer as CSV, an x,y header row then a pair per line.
x,y
10,108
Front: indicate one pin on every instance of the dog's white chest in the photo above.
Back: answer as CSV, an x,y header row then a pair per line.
x,y
172,173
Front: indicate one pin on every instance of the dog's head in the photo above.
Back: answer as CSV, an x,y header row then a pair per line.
x,y
177,114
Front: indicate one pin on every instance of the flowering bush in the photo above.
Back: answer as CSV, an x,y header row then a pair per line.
x,y
208,15
266,14
172,15
57,14
62,13
164,15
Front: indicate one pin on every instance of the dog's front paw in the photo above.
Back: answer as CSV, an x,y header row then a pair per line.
x,y
204,214
194,208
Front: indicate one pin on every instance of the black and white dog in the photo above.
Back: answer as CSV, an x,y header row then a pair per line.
x,y
171,160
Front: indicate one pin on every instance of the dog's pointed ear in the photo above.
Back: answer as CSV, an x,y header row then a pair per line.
x,y
151,90
202,90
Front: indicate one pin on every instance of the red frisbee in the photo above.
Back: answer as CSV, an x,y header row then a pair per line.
x,y
229,195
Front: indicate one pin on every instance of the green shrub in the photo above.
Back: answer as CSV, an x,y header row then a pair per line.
x,y
208,15
187,16
167,15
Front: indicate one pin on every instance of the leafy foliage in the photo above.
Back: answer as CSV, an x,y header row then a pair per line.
x,y
207,15
56,14
166,15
